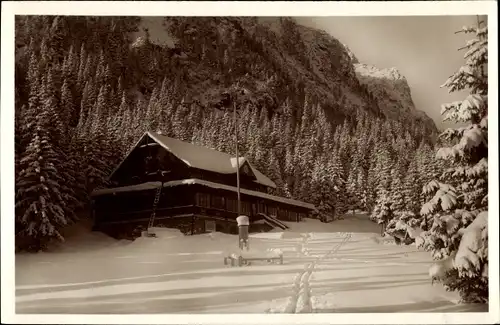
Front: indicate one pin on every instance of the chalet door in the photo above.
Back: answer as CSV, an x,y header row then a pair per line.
x,y
261,207
254,209
210,226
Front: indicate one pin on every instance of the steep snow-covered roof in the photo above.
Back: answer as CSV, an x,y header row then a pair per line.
x,y
205,158
191,181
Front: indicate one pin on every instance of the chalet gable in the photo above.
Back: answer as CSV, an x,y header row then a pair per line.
x,y
200,157
246,170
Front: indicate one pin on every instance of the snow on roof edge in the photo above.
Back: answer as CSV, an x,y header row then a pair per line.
x,y
254,193
131,188
261,178
191,181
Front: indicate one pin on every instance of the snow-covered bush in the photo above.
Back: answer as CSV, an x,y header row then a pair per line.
x,y
473,248
443,237
458,202
405,226
470,273
440,269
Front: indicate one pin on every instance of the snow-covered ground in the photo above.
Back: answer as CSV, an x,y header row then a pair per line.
x,y
340,267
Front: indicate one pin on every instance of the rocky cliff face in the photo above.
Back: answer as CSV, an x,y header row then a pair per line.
x,y
277,60
391,91
389,87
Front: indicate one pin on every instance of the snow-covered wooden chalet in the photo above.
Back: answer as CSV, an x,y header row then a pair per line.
x,y
199,190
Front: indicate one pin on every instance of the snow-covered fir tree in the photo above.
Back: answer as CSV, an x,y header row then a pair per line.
x,y
382,212
396,191
322,191
412,187
459,200
336,179
40,212
353,198
98,151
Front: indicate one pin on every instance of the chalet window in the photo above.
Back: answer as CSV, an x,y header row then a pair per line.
x,y
232,205
152,162
245,170
245,208
282,214
272,211
203,200
217,202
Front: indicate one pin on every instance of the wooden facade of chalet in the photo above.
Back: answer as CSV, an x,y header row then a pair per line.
x,y
198,191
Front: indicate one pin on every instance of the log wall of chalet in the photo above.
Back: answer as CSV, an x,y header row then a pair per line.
x,y
194,201
139,204
250,205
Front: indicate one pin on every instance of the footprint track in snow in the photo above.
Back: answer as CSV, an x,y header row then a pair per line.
x,y
301,299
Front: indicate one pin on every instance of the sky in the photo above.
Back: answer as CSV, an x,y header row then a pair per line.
x,y
423,48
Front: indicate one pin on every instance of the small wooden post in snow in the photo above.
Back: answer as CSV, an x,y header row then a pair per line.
x,y
243,225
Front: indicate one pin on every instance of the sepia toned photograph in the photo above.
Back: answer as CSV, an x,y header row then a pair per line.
x,y
247,164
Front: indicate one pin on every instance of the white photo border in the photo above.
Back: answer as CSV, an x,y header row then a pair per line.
x,y
236,8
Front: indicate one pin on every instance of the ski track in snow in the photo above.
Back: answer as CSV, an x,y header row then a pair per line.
x,y
301,299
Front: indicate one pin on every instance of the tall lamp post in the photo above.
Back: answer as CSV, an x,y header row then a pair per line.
x,y
243,222
237,156
230,97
